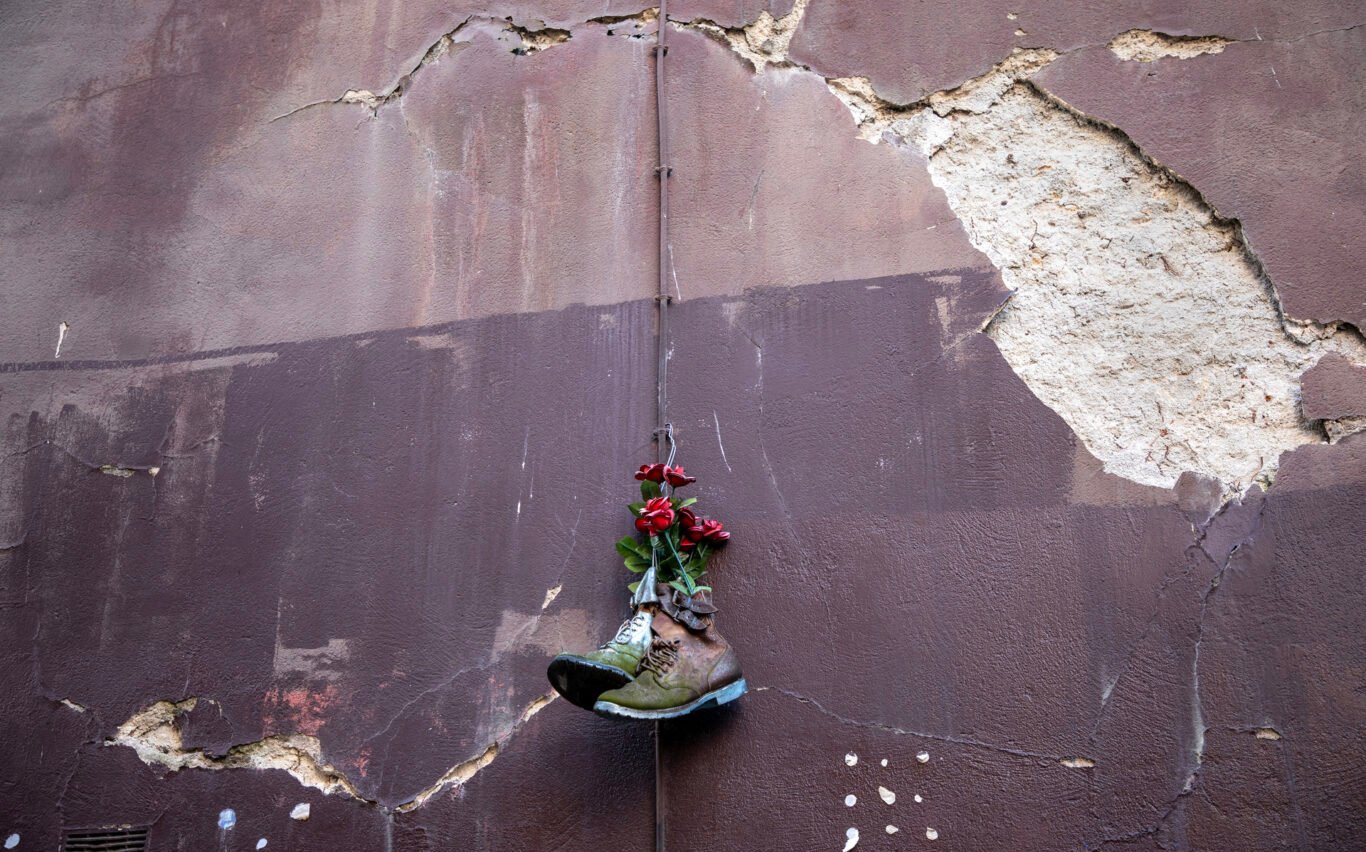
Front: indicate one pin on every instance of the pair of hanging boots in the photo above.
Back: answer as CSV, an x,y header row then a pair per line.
x,y
665,661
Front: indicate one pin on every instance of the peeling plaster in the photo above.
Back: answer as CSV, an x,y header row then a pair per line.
x,y
1150,46
551,594
322,663
763,42
154,736
1139,314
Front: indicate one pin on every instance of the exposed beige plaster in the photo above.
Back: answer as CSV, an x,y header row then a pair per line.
x,y
763,42
1149,46
153,734
1138,314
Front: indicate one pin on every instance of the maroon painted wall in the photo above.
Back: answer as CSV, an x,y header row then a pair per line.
x,y
342,394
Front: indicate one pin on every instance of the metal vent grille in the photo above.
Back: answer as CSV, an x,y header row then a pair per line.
x,y
104,840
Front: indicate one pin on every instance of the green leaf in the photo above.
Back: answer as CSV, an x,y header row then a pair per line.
x,y
629,546
686,503
649,490
635,508
678,585
635,564
633,586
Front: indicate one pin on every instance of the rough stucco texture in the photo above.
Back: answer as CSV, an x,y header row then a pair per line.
x,y
1029,384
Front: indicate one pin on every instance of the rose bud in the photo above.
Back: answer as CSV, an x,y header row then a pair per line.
x,y
651,473
691,527
677,478
712,531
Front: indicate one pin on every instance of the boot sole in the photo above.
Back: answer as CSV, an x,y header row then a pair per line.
x,y
716,697
582,681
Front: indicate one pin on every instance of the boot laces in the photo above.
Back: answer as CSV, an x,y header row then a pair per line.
x,y
623,634
661,656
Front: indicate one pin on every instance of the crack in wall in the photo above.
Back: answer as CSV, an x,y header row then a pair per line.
x,y
462,772
529,41
1069,761
153,734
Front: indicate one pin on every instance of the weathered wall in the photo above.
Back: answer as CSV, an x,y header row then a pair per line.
x,y
327,349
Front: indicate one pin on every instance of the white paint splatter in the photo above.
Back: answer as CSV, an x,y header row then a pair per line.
x,y
62,328
850,800
227,818
923,757
1077,762
300,812
262,843
884,761
891,829
887,795
850,839
850,759
13,840
917,798
722,446
931,834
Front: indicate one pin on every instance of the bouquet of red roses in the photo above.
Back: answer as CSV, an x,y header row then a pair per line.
x,y
678,541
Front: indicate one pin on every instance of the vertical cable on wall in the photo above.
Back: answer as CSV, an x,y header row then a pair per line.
x,y
662,299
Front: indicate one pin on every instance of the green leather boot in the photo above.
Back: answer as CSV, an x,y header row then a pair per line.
x,y
686,669
583,677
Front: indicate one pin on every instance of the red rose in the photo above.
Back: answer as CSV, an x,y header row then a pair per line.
x,y
677,478
651,472
713,533
691,527
656,516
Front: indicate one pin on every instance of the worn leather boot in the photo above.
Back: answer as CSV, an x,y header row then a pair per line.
x,y
689,665
583,677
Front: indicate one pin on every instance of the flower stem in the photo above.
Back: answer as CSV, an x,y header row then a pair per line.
x,y
687,580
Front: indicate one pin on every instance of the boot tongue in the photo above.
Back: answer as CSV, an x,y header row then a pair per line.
x,y
693,612
672,599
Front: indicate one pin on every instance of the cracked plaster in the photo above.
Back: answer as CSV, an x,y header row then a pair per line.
x,y
1138,314
968,134
153,734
